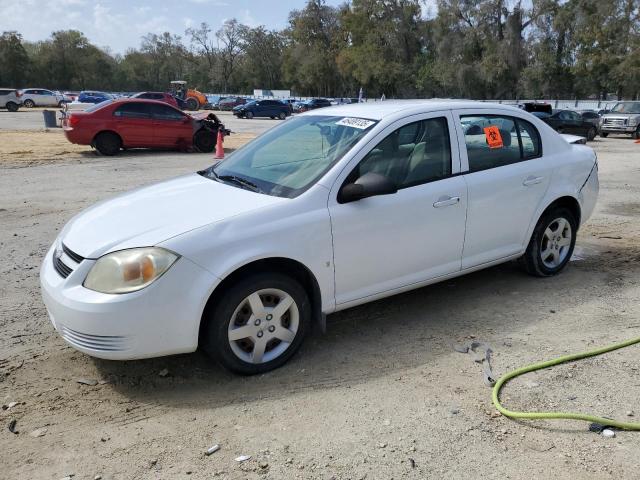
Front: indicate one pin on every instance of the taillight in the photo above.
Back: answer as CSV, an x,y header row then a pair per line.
x,y
73,121
18,93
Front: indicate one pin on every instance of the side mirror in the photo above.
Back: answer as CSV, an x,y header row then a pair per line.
x,y
368,185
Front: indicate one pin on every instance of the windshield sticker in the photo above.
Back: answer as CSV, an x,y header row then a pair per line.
x,y
360,123
494,139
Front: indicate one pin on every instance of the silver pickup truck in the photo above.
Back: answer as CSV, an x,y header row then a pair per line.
x,y
623,118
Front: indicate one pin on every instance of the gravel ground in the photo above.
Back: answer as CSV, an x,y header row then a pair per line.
x,y
382,395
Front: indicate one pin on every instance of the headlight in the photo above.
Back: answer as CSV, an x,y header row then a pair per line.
x,y
129,270
633,122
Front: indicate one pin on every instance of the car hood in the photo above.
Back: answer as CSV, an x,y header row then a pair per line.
x,y
620,115
150,215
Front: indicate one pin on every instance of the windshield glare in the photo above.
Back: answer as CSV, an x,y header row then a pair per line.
x,y
289,159
627,107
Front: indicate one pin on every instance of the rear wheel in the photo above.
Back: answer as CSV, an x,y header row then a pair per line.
x,y
28,103
257,324
108,143
192,103
591,134
552,243
12,106
204,141
282,115
248,115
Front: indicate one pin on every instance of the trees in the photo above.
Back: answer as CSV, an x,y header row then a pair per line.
x,y
466,48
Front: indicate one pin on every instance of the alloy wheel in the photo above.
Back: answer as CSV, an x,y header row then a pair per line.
x,y
556,243
263,326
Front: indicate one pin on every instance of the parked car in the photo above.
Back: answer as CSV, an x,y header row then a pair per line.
x,y
160,96
72,95
313,104
94,97
10,99
242,257
568,121
229,103
41,97
262,108
138,123
623,118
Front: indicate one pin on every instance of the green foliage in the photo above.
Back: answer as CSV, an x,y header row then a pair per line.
x,y
464,48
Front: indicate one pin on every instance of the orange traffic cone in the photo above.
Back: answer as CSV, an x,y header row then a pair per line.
x,y
219,147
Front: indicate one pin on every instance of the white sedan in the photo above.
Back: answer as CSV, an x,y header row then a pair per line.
x,y
333,208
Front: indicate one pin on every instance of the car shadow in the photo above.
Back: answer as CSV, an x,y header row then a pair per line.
x,y
382,338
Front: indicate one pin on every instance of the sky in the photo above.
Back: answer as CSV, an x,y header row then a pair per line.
x,y
120,24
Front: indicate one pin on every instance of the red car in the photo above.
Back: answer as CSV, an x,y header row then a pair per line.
x,y
162,97
136,123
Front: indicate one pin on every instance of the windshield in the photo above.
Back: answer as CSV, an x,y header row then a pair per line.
x,y
287,160
627,107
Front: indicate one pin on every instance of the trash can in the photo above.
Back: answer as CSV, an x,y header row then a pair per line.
x,y
49,119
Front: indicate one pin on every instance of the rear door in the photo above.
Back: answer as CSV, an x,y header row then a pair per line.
x,y
171,128
507,176
134,124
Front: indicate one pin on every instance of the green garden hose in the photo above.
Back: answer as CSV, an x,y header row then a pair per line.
x,y
564,415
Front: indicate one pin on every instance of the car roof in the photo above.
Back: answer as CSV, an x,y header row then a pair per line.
x,y
380,110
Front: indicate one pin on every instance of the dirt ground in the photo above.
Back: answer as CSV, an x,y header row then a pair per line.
x,y
382,395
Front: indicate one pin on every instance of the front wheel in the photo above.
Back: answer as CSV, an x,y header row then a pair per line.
x,y
604,134
29,103
552,243
636,134
192,104
248,115
204,141
257,324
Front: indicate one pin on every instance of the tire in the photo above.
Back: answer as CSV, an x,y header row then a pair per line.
x,y
12,106
604,134
552,243
248,115
591,134
282,115
232,312
28,103
204,141
192,104
272,118
636,134
108,143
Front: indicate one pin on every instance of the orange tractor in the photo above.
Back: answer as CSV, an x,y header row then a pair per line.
x,y
193,99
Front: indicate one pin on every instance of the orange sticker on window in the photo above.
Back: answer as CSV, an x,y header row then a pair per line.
x,y
494,139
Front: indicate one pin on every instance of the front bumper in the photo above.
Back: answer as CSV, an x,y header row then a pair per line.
x,y
618,128
161,319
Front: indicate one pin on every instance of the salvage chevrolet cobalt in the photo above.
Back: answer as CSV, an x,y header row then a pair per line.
x,y
331,209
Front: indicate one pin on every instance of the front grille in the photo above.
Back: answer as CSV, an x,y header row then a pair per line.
x,y
620,122
59,264
72,255
61,268
104,343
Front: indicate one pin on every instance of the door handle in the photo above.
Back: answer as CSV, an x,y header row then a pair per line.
x,y
446,201
532,181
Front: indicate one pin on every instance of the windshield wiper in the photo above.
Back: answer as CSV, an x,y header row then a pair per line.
x,y
243,182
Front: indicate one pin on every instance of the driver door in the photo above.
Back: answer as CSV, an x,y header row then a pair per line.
x,y
387,242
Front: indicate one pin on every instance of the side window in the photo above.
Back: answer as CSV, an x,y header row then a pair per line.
x,y
162,112
565,116
132,110
416,153
530,139
491,140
